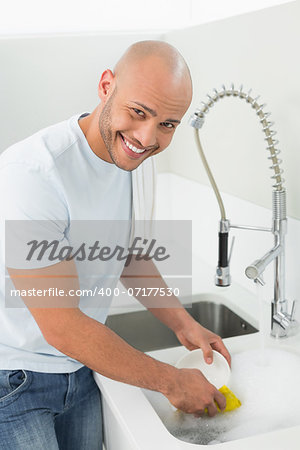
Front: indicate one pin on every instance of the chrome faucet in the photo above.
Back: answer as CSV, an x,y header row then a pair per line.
x,y
282,323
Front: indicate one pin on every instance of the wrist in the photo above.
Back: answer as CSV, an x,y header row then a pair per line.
x,y
168,380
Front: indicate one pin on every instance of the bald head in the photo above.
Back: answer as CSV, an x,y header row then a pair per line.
x,y
142,103
160,56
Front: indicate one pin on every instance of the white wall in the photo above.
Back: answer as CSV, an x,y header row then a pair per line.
x,y
46,79
57,16
260,50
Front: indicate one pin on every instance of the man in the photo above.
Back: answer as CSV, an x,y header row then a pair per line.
x,y
84,169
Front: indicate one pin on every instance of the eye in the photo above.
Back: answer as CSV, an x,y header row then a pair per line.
x,y
139,112
168,125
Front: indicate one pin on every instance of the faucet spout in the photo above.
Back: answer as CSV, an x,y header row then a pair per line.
x,y
255,269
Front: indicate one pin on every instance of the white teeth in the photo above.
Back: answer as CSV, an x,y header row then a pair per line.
x,y
133,148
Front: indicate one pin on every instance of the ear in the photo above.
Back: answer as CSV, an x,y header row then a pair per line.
x,y
105,84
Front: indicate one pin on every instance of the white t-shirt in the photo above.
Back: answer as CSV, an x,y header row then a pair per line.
x,y
55,181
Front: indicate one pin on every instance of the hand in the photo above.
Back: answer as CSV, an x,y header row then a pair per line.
x,y
193,335
192,393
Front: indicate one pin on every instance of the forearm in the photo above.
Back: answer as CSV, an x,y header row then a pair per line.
x,y
99,348
143,275
173,317
75,334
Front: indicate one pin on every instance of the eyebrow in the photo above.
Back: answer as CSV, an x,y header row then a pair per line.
x,y
154,113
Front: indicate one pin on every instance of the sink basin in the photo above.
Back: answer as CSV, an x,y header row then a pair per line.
x,y
146,333
132,419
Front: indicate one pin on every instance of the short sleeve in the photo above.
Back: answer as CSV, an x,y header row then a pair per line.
x,y
33,214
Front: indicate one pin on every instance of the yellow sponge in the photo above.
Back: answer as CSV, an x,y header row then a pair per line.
x,y
232,402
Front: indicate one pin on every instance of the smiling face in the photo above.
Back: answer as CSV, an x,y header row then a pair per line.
x,y
140,110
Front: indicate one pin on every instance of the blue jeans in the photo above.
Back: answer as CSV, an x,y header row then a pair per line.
x,y
49,411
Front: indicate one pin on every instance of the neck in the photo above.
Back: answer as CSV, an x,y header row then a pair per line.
x,y
90,128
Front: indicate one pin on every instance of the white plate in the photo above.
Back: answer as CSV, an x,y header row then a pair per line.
x,y
217,373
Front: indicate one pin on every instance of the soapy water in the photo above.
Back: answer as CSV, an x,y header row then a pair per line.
x,y
268,391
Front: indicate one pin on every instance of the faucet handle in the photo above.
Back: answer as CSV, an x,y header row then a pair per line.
x,y
260,280
284,324
293,310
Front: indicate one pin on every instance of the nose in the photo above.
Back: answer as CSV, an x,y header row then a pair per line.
x,y
145,134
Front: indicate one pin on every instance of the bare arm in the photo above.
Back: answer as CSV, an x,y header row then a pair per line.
x,y
68,329
141,274
190,333
75,334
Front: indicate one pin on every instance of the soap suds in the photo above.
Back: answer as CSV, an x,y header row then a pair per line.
x,y
268,391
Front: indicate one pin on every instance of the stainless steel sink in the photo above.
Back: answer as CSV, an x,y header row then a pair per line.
x,y
146,333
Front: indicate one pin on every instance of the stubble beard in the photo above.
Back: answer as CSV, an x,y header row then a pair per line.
x,y
105,128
